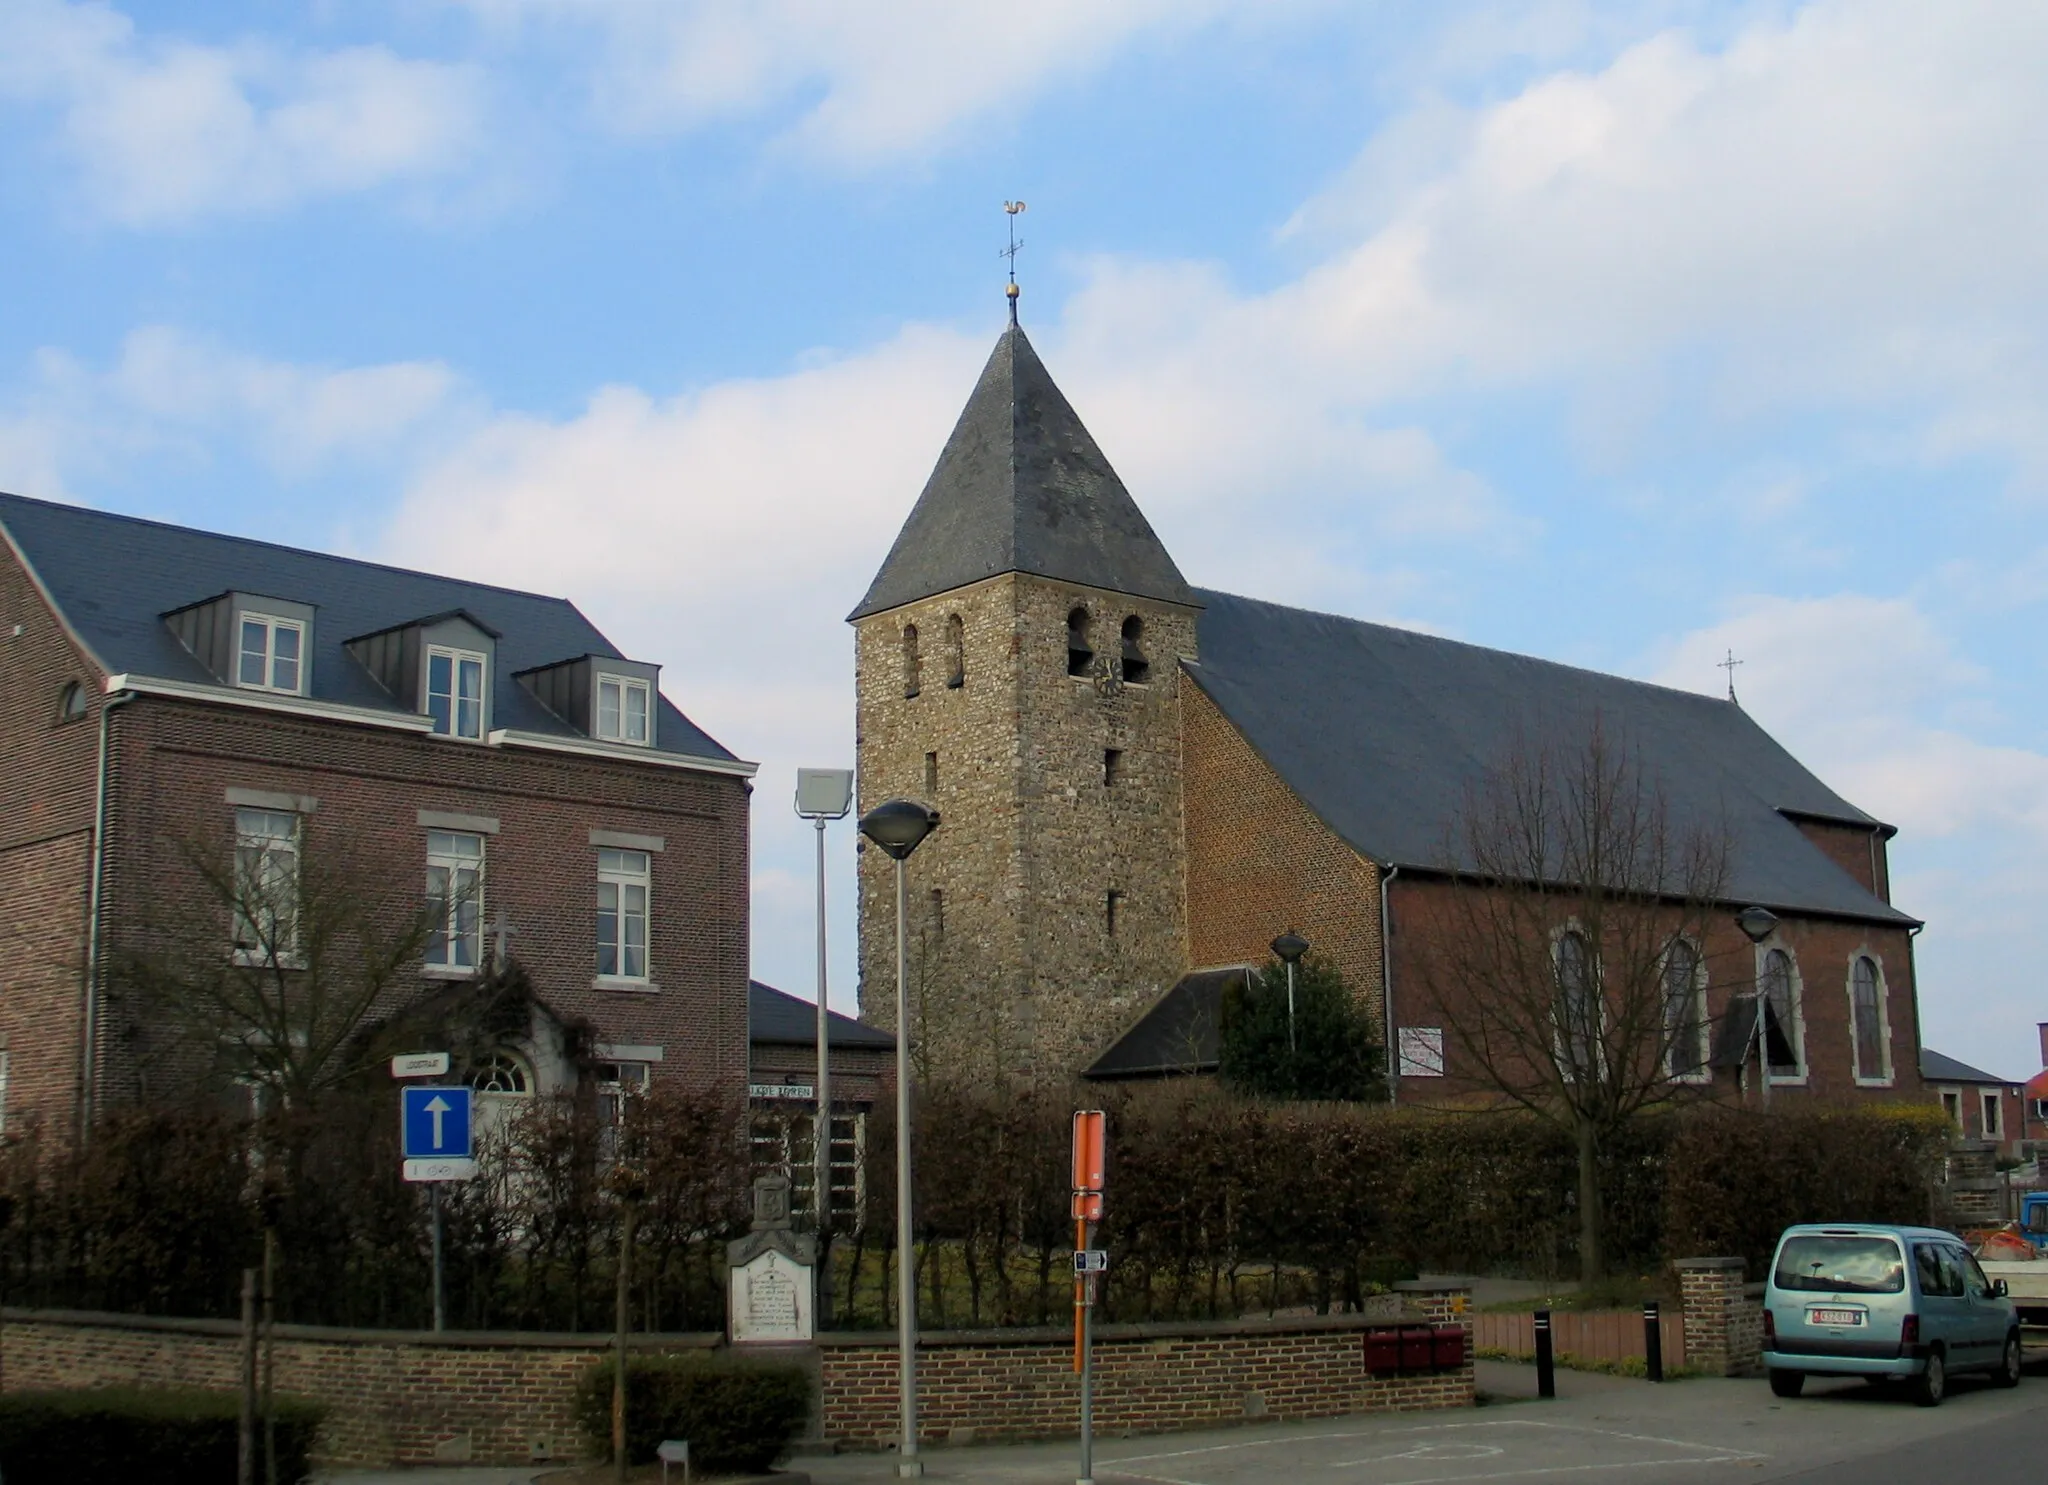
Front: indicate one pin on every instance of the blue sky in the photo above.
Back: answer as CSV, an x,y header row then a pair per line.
x,y
1620,334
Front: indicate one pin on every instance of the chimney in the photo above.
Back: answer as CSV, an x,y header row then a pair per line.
x,y
2042,1027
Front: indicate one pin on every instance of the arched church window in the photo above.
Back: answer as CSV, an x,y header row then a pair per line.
x,y
1866,1020
1137,669
1779,981
956,653
1577,1008
1685,1010
913,663
504,1074
1080,654
71,702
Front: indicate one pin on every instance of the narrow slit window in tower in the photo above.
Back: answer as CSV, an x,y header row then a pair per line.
x,y
931,774
1137,669
1112,905
956,653
1080,656
938,912
913,664
1112,766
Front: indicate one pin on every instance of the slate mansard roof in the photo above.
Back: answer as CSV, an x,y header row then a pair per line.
x,y
1022,487
1387,735
113,578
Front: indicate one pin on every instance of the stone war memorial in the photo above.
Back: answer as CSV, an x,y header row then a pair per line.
x,y
771,1282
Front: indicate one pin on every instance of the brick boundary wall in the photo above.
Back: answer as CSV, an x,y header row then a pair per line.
x,y
394,1397
507,1398
977,1386
1724,1317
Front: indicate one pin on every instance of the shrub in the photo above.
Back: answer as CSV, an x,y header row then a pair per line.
x,y
739,1416
110,1435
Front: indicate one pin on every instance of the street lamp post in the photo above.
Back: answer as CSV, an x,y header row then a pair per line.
x,y
1290,946
823,794
899,826
1758,924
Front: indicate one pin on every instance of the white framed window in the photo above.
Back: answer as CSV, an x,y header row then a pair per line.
x,y
1577,1009
1869,1032
617,1084
1421,1051
1778,977
623,880
623,707
781,1145
455,692
1685,1013
266,885
270,654
1952,1105
503,1074
1993,1124
455,900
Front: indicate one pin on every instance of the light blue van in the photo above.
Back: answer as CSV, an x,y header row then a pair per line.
x,y
1900,1303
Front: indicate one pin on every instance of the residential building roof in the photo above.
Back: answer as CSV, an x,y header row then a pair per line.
x,y
1937,1068
1390,736
113,578
776,1017
1182,1032
1022,487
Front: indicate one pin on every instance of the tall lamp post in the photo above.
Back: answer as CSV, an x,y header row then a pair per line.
x,y
823,794
899,827
1758,924
1290,946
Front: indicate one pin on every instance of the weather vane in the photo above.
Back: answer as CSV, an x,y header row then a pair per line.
x,y
1729,665
1010,252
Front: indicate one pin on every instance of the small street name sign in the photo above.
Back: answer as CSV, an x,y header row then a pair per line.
x,y
419,1065
1091,1261
781,1090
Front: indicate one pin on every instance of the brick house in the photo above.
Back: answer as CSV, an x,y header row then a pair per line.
x,y
782,1089
1983,1107
1142,783
170,697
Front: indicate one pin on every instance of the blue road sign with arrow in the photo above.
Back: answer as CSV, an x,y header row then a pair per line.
x,y
434,1123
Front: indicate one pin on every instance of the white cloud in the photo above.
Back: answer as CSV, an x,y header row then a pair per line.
x,y
871,82
164,131
171,395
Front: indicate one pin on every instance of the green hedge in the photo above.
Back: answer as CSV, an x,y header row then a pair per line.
x,y
738,1416
122,1435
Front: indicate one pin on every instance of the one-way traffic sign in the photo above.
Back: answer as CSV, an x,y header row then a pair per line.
x,y
434,1123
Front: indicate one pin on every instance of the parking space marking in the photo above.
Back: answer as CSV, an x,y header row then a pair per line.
x,y
1456,1455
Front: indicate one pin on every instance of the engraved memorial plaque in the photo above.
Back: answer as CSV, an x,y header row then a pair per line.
x,y
770,1299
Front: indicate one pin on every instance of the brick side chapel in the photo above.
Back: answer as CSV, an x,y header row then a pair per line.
x,y
1142,783
171,698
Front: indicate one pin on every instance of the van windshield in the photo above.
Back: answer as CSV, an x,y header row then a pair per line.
x,y
1859,1265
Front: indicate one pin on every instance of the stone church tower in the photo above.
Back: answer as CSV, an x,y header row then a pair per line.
x,y
1018,667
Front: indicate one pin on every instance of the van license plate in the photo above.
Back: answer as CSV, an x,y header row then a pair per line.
x,y
1834,1317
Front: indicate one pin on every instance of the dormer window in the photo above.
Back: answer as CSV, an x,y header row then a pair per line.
x,y
270,654
455,692
623,706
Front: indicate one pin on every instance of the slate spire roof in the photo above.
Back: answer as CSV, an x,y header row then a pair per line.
x,y
1022,487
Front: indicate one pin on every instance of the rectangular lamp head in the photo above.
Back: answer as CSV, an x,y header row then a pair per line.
x,y
824,793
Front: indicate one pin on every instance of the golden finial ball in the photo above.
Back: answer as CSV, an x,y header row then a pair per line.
x,y
1011,290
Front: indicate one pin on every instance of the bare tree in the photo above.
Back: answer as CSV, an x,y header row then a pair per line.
x,y
1572,973
276,964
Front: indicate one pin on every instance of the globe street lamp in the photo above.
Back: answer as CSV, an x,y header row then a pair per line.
x,y
899,827
1758,924
1290,946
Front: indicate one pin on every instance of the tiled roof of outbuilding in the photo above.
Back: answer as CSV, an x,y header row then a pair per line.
x,y
1181,1033
1937,1068
114,577
1387,735
1022,487
789,1020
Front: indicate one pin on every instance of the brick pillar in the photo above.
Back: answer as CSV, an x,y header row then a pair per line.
x,y
1446,1302
1724,1324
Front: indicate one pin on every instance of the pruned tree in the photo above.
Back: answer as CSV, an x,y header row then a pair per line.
x,y
1325,1049
1571,974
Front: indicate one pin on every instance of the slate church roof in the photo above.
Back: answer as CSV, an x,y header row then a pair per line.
x,y
1386,735
113,578
1022,487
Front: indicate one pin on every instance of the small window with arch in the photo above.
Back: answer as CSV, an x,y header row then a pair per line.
x,y
956,653
1080,654
502,1074
913,662
1137,669
72,702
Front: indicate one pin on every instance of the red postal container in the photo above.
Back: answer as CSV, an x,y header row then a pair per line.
x,y
1418,1348
1447,1347
1383,1349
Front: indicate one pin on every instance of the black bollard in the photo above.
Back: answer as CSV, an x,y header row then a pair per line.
x,y
1653,1341
1546,1366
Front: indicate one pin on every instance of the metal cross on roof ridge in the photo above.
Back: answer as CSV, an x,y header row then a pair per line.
x,y
1729,665
1012,208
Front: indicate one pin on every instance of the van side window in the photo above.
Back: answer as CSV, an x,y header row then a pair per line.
x,y
1927,1271
1973,1276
